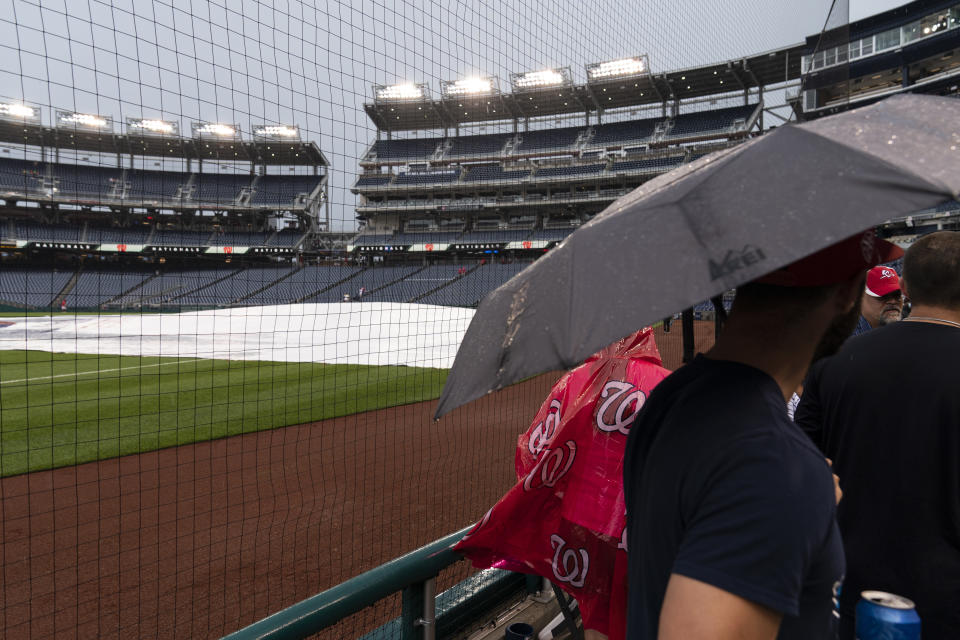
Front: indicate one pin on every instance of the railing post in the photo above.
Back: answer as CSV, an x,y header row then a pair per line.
x,y
411,611
418,618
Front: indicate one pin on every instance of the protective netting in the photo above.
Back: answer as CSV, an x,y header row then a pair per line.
x,y
241,241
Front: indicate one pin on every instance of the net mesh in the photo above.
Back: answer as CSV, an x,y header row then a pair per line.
x,y
240,243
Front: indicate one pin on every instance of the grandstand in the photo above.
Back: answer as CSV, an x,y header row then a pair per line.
x,y
562,152
514,193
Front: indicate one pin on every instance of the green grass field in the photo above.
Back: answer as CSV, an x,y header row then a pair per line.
x,y
64,409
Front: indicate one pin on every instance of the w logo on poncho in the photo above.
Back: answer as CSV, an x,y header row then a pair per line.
x,y
569,469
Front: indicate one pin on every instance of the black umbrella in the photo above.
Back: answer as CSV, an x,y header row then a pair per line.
x,y
708,227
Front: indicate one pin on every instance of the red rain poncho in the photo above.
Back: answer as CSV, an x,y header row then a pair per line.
x,y
565,517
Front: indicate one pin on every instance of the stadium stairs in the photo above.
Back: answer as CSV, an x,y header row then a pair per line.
x,y
328,287
396,280
71,283
210,284
128,291
267,286
446,284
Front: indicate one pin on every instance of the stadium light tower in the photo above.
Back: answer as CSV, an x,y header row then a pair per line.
x,y
85,121
616,69
544,79
152,127
476,86
404,92
280,132
216,130
19,112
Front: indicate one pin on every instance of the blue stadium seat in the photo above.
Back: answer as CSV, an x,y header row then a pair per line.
x,y
282,190
491,172
548,139
553,172
416,149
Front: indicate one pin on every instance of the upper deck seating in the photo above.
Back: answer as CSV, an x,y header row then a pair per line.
x,y
154,185
704,123
481,145
85,182
548,139
490,172
428,177
413,149
282,190
219,188
649,164
619,133
20,175
552,172
374,180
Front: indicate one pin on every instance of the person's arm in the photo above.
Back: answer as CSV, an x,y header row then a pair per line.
x,y
694,610
809,413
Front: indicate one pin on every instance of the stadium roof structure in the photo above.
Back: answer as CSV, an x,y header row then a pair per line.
x,y
756,71
269,152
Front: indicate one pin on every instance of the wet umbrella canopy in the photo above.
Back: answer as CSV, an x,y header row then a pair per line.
x,y
708,227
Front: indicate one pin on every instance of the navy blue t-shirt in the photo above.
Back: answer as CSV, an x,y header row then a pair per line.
x,y
723,488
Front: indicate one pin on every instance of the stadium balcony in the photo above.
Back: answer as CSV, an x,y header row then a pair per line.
x,y
239,238
219,188
617,134
479,146
151,186
647,165
132,235
703,125
285,191
373,180
571,172
393,151
494,173
549,140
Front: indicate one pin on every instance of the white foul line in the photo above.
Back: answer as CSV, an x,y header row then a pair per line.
x,y
85,373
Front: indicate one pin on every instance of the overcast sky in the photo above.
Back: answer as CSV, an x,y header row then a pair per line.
x,y
313,62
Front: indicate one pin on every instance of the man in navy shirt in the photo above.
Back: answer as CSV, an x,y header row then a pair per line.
x,y
730,508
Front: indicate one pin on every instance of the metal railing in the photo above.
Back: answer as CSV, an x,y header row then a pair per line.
x,y
413,574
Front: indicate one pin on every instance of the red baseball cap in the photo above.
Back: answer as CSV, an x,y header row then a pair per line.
x,y
836,263
882,281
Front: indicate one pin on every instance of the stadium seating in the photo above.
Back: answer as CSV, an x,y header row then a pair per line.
x,y
416,149
85,182
31,287
213,188
475,285
301,284
238,285
370,280
174,237
428,177
620,133
20,175
239,238
562,172
374,180
647,164
548,139
415,284
94,288
163,288
154,185
482,145
45,232
550,235
131,235
475,237
282,190
285,238
493,172
708,123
